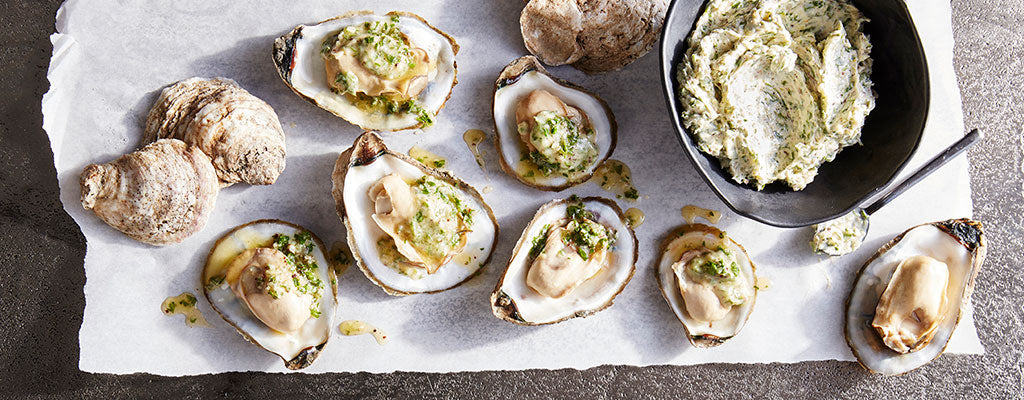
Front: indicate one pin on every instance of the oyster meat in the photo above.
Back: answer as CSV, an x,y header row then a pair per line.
x,y
383,72
908,297
271,281
551,134
239,132
571,261
159,194
709,282
411,228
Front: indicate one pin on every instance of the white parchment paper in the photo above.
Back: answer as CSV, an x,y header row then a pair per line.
x,y
111,58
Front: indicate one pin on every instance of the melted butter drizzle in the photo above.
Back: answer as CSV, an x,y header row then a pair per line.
x,y
615,177
634,217
473,138
340,257
528,171
427,158
692,212
184,304
354,327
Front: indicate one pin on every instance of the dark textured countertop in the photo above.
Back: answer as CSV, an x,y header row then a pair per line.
x,y
41,274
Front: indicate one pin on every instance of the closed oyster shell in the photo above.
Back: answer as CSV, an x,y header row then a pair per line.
x,y
159,194
239,132
355,172
960,244
594,36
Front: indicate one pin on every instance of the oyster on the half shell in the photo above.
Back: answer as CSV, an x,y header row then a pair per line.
x,y
709,282
571,261
551,134
383,72
908,297
412,229
271,280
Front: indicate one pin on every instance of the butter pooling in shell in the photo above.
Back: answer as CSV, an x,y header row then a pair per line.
x,y
249,275
426,230
550,133
708,281
411,228
574,251
572,260
384,72
271,280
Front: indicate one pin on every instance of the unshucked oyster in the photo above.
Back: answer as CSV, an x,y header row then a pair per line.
x,y
383,72
272,282
551,134
908,297
412,229
159,194
595,35
571,261
239,132
709,282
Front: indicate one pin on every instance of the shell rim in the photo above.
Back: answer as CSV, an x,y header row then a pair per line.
x,y
509,75
978,258
509,311
372,147
308,355
283,57
700,341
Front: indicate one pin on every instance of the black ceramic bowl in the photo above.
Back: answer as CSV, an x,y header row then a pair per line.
x,y
890,135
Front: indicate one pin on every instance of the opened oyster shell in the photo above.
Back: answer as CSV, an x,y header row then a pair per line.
x,y
908,297
412,229
709,282
551,134
271,281
571,261
239,132
382,72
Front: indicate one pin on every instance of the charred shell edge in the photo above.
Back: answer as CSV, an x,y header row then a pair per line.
x,y
503,307
283,55
367,148
699,341
511,74
968,233
305,357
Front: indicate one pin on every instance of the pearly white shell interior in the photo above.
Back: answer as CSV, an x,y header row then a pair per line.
x,y
923,240
737,317
592,294
309,78
314,332
359,208
506,99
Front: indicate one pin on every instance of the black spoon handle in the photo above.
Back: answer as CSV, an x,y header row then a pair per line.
x,y
939,160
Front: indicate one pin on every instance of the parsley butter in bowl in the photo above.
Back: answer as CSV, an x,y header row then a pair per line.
x,y
795,112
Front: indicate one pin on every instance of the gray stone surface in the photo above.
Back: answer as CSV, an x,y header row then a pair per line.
x,y
41,275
